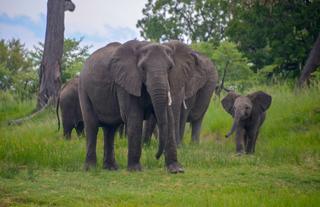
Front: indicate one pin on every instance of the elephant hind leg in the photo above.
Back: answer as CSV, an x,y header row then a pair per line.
x,y
91,130
148,128
80,129
109,161
182,125
196,129
67,129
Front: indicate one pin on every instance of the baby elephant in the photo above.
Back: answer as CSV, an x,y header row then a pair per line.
x,y
70,109
248,113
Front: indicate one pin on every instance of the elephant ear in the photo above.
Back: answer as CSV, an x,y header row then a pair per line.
x,y
228,102
124,67
199,74
182,73
260,100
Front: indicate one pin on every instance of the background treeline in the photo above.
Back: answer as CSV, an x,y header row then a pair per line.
x,y
256,42
19,67
267,38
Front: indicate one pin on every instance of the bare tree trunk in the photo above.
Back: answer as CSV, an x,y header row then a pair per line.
x,y
311,65
50,68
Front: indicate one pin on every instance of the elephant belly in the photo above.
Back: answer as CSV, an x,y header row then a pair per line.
x,y
105,105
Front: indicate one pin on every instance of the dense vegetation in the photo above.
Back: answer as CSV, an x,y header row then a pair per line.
x,y
275,36
39,168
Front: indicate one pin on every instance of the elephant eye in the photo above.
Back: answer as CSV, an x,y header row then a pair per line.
x,y
247,107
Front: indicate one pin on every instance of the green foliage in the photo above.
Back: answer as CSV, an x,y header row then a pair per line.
x,y
227,57
204,48
16,72
39,168
73,57
185,20
276,33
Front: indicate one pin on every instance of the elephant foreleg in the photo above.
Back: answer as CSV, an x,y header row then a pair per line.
x,y
240,133
254,142
134,127
171,159
109,161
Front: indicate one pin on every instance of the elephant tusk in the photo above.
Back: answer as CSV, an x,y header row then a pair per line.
x,y
184,104
169,97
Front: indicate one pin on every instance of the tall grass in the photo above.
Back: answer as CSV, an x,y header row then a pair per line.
x,y
284,171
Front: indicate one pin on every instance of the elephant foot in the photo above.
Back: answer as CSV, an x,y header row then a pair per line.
x,y
134,167
175,168
239,153
89,165
112,166
195,142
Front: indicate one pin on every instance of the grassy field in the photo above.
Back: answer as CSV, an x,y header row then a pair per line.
x,y
39,168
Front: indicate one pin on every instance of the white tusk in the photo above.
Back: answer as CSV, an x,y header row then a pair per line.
x,y
169,97
184,104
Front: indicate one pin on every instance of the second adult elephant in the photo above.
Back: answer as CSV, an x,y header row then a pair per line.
x,y
195,107
125,84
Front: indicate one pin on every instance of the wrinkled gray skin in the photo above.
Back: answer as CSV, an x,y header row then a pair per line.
x,y
249,114
202,85
197,105
125,84
68,101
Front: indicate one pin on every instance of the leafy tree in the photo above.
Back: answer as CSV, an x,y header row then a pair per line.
x,y
195,20
16,72
73,57
271,34
204,48
236,67
277,33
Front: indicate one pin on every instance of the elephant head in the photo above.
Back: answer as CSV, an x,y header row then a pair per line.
x,y
136,65
245,107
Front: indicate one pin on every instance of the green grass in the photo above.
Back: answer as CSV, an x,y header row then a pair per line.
x,y
39,168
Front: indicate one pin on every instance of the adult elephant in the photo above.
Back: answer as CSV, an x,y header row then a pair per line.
x,y
196,105
197,95
68,101
125,84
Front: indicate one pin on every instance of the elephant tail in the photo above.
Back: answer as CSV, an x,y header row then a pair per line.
x,y
57,112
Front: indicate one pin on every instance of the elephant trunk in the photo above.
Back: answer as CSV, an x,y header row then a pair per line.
x,y
160,98
160,109
234,126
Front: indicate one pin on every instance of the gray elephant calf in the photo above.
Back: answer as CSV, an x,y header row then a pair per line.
x,y
70,109
249,114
